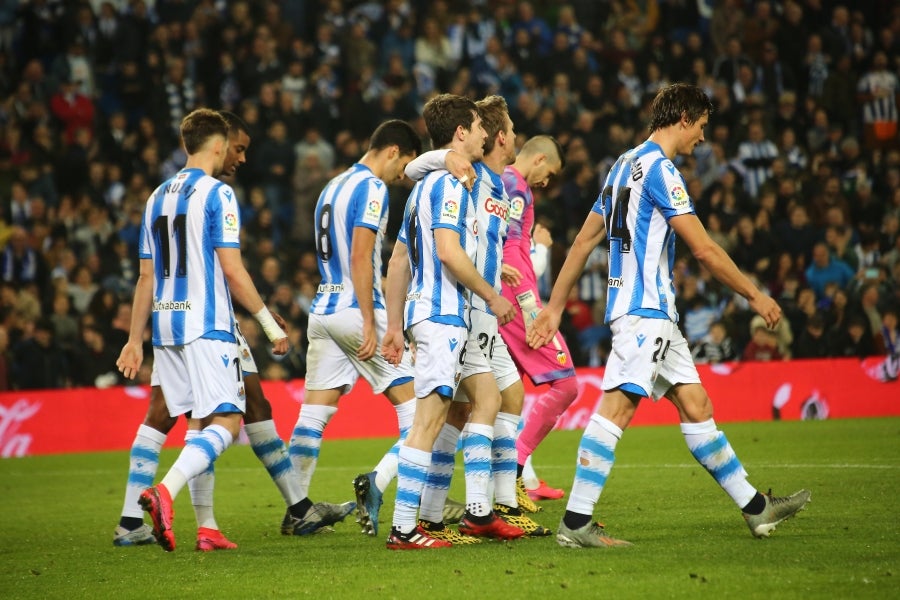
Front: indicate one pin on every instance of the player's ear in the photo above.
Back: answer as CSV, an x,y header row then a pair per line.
x,y
539,159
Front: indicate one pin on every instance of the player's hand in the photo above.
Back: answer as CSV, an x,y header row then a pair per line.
x,y
503,308
542,329
369,344
130,359
281,322
767,308
460,168
392,346
510,275
541,235
281,346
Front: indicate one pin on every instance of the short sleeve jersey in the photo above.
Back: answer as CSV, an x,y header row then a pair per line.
x,y
437,201
184,221
491,219
642,191
355,198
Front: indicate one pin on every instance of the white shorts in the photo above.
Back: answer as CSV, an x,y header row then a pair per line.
x,y
248,365
439,357
201,377
331,360
648,357
494,356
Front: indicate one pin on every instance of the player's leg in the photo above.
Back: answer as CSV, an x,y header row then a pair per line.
x,y
440,474
630,376
267,445
551,364
710,448
369,487
196,371
437,371
143,461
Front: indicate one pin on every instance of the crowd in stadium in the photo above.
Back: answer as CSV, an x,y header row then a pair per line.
x,y
799,178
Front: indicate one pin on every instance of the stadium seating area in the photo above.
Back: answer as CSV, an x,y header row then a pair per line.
x,y
799,179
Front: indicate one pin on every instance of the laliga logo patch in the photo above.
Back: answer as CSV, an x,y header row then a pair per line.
x,y
231,222
561,357
373,209
679,196
450,209
516,208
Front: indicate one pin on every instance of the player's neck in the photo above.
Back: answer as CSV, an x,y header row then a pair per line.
x,y
667,139
203,161
495,162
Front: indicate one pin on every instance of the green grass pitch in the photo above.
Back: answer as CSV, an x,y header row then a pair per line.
x,y
689,540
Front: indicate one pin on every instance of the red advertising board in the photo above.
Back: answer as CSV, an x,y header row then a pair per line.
x,y
88,419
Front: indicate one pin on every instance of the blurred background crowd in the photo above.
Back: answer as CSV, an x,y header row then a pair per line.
x,y
799,179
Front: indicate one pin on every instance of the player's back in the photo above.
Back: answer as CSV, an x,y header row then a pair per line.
x,y
185,220
492,218
642,191
437,201
355,198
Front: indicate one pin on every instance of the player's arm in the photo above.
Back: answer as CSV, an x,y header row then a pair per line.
x,y
132,355
452,256
398,278
717,261
244,292
546,324
362,275
454,162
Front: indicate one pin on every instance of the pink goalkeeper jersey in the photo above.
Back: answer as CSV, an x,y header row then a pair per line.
x,y
517,248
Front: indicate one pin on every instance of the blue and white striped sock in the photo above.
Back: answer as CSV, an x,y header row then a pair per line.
x,y
143,461
386,469
201,488
307,440
503,461
477,440
711,449
411,472
596,454
440,473
271,451
196,457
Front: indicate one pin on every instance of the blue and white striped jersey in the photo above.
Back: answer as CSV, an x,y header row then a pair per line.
x,y
185,220
355,198
643,190
437,201
491,225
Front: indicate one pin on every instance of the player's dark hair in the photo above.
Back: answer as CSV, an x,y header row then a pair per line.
x,y
493,111
444,113
235,123
676,101
199,126
396,133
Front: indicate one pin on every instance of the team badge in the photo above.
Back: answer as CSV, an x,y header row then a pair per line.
x,y
561,357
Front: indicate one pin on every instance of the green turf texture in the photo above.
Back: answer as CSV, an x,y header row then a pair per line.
x,y
690,541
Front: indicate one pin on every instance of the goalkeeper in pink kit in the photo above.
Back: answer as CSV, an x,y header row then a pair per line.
x,y
539,160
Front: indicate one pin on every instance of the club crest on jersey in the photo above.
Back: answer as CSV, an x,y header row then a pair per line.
x,y
231,223
373,209
679,196
561,357
516,208
450,209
